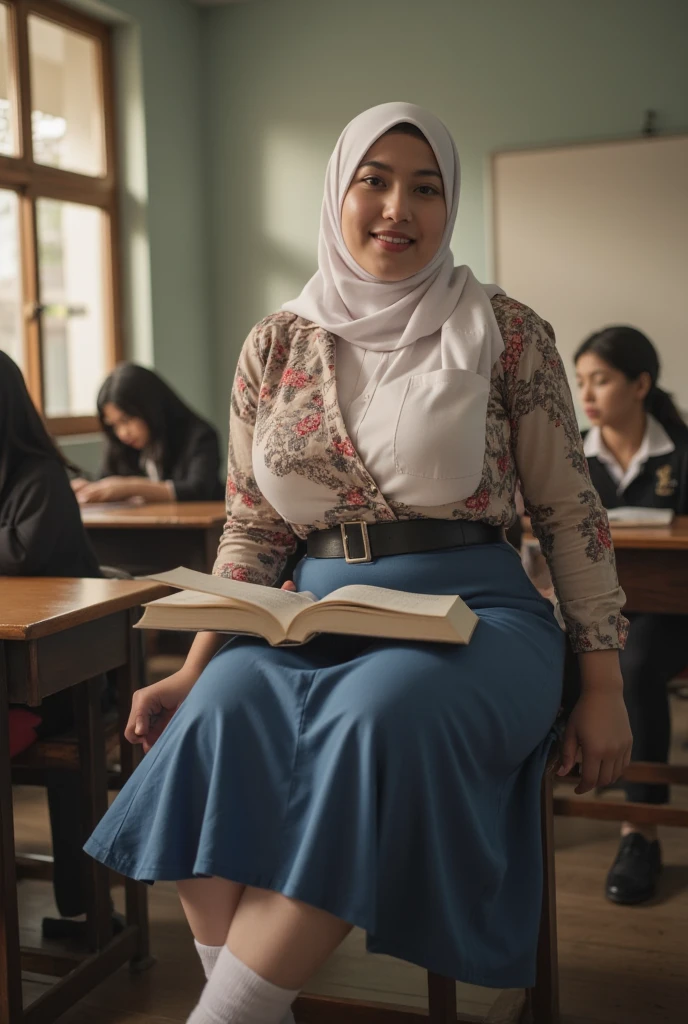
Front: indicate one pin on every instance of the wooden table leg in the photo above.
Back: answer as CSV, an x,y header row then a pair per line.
x,y
88,696
11,1011
441,999
131,677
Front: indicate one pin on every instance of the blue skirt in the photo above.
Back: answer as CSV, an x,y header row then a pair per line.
x,y
395,784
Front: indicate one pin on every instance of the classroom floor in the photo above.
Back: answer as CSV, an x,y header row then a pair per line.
x,y
618,965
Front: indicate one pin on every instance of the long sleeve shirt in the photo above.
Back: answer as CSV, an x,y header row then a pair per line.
x,y
293,468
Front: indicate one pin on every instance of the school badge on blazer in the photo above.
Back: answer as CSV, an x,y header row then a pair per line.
x,y
665,484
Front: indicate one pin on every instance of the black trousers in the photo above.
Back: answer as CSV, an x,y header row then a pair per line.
x,y
656,652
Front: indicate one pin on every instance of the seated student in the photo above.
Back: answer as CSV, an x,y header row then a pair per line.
x,y
395,785
637,451
41,534
157,448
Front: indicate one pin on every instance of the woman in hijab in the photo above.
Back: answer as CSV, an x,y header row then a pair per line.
x,y
385,416
156,447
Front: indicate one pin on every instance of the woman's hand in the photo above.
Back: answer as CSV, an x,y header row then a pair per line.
x,y
111,488
152,708
598,733
289,585
78,483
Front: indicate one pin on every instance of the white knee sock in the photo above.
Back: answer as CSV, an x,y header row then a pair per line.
x,y
208,955
237,995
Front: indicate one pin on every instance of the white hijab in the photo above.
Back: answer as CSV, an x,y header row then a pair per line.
x,y
384,316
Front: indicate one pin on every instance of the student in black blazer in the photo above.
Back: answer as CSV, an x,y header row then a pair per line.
x,y
41,534
637,451
157,448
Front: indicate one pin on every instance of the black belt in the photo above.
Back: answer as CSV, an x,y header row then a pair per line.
x,y
362,542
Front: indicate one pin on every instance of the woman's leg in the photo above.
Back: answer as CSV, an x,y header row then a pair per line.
x,y
209,905
274,946
283,940
657,650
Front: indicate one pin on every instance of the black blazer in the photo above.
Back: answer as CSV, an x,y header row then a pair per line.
x,y
662,483
41,533
192,462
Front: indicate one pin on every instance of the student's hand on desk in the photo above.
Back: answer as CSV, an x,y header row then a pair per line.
x,y
152,708
111,488
78,483
598,734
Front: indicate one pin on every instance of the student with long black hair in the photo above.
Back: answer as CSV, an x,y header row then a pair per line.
x,y
637,452
41,534
156,447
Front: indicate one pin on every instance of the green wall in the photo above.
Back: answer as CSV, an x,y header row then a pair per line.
x,y
228,115
282,77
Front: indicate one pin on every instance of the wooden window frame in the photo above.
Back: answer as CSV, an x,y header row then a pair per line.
x,y
31,181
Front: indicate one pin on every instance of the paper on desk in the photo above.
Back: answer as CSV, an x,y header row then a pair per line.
x,y
636,516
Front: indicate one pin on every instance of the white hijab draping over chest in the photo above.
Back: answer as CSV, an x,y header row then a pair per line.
x,y
385,316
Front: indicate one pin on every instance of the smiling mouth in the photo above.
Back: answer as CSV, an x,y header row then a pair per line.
x,y
392,242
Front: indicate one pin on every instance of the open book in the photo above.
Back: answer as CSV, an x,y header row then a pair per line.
x,y
634,515
285,617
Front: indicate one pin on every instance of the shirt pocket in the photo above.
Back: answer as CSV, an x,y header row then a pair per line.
x,y
440,428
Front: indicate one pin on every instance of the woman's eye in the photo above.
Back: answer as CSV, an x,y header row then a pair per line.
x,y
428,190
373,180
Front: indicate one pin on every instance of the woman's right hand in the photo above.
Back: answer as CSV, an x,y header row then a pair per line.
x,y
77,483
152,708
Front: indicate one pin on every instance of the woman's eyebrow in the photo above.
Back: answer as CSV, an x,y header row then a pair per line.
x,y
423,173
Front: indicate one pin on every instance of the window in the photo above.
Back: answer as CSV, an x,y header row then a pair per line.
x,y
58,208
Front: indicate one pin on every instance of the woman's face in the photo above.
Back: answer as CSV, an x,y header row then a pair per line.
x,y
608,397
394,214
130,430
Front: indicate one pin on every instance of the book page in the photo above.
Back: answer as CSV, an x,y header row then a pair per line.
x,y
282,605
193,599
398,601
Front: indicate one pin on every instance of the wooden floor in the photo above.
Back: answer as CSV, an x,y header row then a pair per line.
x,y
619,965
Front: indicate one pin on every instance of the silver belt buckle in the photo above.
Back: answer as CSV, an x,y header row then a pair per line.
x,y
367,557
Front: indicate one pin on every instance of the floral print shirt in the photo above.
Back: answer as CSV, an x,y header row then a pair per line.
x,y
285,422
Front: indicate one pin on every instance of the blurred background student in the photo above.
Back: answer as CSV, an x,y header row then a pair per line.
x,y
637,452
41,534
156,447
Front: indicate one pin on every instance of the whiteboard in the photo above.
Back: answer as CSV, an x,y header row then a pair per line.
x,y
594,235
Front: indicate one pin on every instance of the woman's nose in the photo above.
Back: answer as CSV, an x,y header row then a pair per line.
x,y
397,205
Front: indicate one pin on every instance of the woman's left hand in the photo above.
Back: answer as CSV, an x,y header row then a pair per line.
x,y
598,735
110,488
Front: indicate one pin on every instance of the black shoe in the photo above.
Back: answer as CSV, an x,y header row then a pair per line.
x,y
633,875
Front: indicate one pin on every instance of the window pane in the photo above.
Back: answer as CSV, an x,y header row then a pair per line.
x,y
66,97
11,340
70,265
8,127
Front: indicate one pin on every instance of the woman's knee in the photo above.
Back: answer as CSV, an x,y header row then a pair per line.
x,y
392,693
228,680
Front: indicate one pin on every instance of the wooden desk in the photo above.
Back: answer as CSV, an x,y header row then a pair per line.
x,y
652,563
55,634
152,538
653,567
